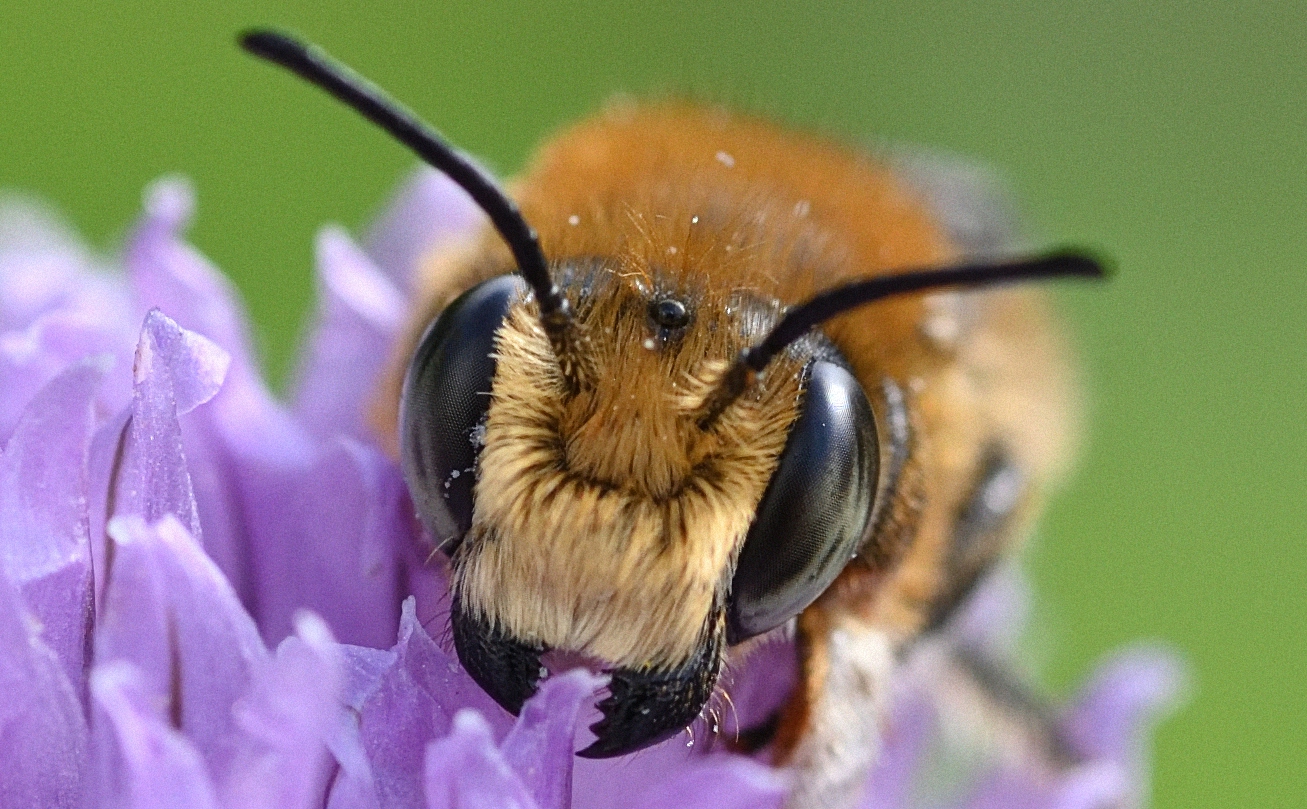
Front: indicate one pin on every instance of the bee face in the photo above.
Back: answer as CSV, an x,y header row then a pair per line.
x,y
604,522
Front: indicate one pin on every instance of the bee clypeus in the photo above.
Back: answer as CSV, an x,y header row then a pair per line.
x,y
715,380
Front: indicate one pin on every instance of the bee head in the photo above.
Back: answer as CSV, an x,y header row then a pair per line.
x,y
604,458
604,521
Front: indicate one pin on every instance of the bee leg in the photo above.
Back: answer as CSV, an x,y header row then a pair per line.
x,y
1003,710
981,533
982,694
830,733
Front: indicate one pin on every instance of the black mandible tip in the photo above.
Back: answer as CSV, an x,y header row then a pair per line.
x,y
312,64
1065,263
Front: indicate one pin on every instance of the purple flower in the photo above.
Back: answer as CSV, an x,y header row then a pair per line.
x,y
211,598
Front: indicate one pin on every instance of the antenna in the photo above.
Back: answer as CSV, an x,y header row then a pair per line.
x,y
314,65
1065,263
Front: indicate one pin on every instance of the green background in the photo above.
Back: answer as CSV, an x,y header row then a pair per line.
x,y
1170,134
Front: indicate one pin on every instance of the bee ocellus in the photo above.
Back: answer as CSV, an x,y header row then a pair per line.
x,y
704,379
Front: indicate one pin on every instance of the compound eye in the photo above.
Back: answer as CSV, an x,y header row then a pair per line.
x,y
444,405
816,509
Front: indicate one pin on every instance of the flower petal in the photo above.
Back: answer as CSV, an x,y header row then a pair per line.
x,y
414,703
712,782
43,517
1113,717
144,763
43,736
353,786
191,365
169,611
32,357
42,261
675,775
758,681
540,746
215,480
360,313
464,770
175,370
1098,785
1133,689
26,365
169,274
285,719
427,211
323,538
245,435
364,669
349,791
906,739
57,306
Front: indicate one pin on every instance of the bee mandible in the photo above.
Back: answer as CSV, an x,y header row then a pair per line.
x,y
714,380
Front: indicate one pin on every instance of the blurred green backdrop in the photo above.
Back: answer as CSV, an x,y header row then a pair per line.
x,y
1174,135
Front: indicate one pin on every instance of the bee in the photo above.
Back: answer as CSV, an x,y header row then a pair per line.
x,y
703,380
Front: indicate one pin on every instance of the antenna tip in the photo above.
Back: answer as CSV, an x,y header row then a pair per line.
x,y
268,43
1082,262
